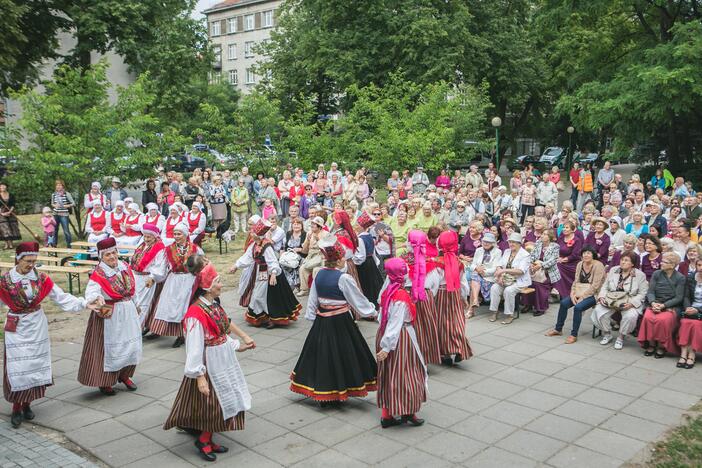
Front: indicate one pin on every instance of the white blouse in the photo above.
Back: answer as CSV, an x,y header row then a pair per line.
x,y
398,315
354,297
67,302
247,260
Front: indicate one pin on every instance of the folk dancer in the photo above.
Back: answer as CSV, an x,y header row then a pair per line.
x,y
149,267
368,272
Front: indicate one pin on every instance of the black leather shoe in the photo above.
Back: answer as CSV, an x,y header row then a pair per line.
x,y
269,325
109,391
28,413
206,455
446,360
219,448
180,341
538,313
144,332
457,358
16,419
412,420
385,423
151,336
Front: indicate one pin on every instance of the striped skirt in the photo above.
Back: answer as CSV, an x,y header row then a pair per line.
x,y
23,396
452,324
401,378
152,308
90,371
163,328
353,271
425,325
191,409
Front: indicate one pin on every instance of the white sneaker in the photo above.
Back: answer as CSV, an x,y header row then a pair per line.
x,y
606,339
619,343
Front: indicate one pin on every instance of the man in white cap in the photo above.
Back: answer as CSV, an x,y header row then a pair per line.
x,y
511,276
115,193
313,261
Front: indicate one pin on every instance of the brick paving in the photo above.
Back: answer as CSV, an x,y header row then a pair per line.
x,y
523,400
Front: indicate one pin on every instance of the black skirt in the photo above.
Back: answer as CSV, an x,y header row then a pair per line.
x,y
336,362
283,306
371,280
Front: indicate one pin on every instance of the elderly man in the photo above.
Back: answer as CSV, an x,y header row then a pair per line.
x,y
114,194
473,177
691,208
679,188
248,183
334,171
420,181
654,217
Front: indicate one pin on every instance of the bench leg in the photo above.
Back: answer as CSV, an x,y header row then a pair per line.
x,y
70,283
517,305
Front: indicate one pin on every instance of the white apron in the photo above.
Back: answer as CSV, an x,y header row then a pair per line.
x,y
122,337
143,296
28,352
175,297
227,378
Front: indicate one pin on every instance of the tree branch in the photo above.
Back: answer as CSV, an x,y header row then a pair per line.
x,y
644,23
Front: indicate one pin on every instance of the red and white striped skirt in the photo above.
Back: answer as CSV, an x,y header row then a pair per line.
x,y
90,371
426,327
401,378
163,328
452,324
23,396
191,409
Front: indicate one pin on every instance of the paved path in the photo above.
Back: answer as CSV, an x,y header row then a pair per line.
x,y
523,400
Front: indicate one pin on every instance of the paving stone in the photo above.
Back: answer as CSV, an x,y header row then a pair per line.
x,y
77,419
121,403
443,415
561,357
90,436
634,427
511,413
602,366
604,398
452,447
413,458
504,357
257,431
468,401
671,397
610,443
583,412
558,427
639,374
519,376
495,388
579,457
161,460
289,448
494,457
541,366
655,412
294,416
481,366
413,436
559,387
538,400
626,387
531,445
328,458
151,415
328,431
581,376
370,448
127,450
515,333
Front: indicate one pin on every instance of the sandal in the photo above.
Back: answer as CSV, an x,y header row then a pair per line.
x,y
690,364
649,352
659,354
553,332
508,320
681,363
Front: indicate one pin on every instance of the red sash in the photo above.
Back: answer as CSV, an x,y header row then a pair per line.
x,y
98,223
177,261
142,257
131,222
14,295
117,223
118,287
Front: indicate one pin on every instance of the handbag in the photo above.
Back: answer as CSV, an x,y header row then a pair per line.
x,y
616,299
508,280
289,259
580,289
539,276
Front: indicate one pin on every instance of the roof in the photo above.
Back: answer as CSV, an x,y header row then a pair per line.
x,y
227,4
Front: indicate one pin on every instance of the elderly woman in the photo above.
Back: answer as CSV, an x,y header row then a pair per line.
x,y
484,265
97,223
589,276
616,233
570,245
511,276
637,226
218,201
628,245
544,272
598,238
471,241
651,260
689,264
665,298
690,333
148,265
623,291
459,219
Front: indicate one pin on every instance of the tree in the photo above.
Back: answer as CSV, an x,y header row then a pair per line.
x,y
76,135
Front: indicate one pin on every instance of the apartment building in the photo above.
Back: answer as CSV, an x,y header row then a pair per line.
x,y
235,28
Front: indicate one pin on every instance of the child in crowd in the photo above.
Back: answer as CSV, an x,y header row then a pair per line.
x,y
48,223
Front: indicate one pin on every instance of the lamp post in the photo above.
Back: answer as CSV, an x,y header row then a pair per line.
x,y
497,122
569,159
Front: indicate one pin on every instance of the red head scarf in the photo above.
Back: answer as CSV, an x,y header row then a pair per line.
x,y
418,241
395,269
448,243
342,219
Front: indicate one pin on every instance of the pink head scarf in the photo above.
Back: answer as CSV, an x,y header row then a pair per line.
x,y
418,240
448,243
395,269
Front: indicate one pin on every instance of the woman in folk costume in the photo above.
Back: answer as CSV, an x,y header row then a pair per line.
x,y
97,223
132,226
149,268
174,218
427,316
448,283
27,356
117,217
402,373
368,272
197,221
213,395
347,237
335,362
112,346
177,289
253,219
263,288
153,216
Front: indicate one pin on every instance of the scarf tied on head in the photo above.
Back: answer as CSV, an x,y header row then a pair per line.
x,y
448,243
418,240
395,269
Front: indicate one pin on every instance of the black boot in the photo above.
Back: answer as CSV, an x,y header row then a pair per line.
x,y
412,420
389,422
178,342
16,419
28,413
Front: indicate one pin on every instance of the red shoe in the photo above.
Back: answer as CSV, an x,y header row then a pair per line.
x,y
131,386
109,391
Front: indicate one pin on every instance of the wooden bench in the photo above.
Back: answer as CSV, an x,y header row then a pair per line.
x,y
56,251
83,262
518,298
70,271
89,245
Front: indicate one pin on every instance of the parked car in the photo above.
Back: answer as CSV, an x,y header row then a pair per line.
x,y
521,162
553,156
183,163
591,158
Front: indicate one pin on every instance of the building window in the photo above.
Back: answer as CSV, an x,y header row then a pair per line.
x,y
250,76
248,49
217,54
233,77
216,77
231,25
231,51
268,19
248,22
216,28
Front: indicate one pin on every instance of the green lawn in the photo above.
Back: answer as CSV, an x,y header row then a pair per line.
x,y
683,446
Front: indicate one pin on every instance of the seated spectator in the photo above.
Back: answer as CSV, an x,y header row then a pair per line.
x,y
651,261
665,295
484,265
511,276
690,334
623,291
628,245
637,226
544,272
689,264
589,276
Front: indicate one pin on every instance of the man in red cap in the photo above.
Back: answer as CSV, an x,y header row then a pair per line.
x,y
112,346
27,369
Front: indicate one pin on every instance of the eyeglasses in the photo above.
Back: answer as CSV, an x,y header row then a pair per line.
x,y
377,214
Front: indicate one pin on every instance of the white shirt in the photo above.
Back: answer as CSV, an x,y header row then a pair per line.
x,y
354,297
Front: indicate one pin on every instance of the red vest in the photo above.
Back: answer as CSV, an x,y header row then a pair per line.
x,y
194,223
131,221
98,222
92,198
116,223
169,226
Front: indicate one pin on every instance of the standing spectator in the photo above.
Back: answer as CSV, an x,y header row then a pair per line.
x,y
240,203
585,186
115,193
205,183
527,195
443,180
406,186
515,183
48,225
62,203
574,179
192,190
248,183
420,181
474,178
9,227
294,239
149,195
165,198
604,177
334,171
218,202
92,195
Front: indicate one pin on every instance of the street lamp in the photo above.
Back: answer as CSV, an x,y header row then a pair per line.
x,y
497,122
569,159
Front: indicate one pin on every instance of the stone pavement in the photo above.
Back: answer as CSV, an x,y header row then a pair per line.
x,y
523,400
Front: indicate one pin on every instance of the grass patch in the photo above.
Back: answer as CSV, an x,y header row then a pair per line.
x,y
683,446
